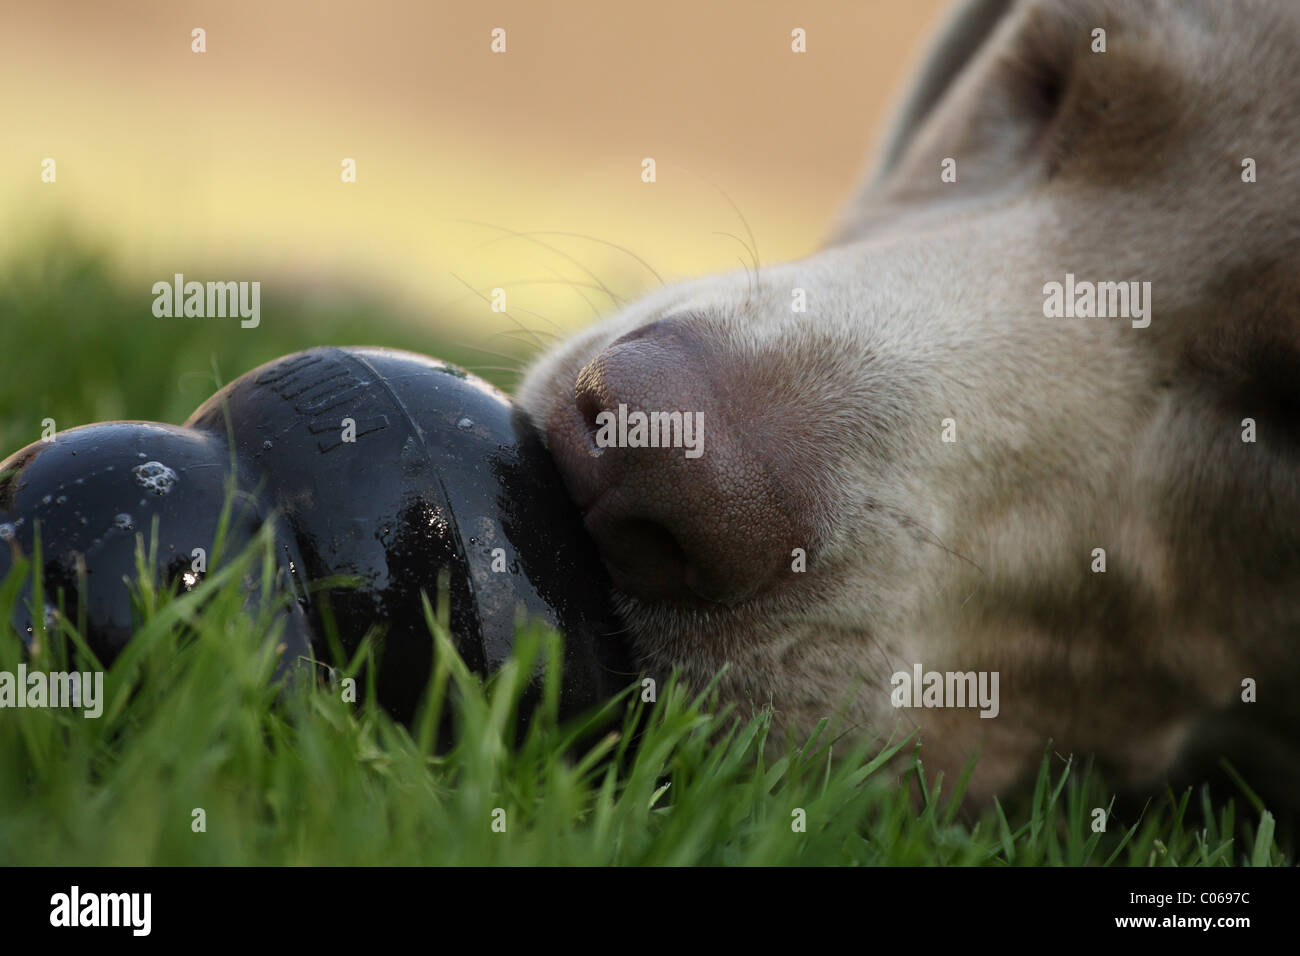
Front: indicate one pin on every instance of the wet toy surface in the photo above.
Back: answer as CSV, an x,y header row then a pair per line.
x,y
385,467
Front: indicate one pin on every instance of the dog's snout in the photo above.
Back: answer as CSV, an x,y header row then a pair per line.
x,y
677,488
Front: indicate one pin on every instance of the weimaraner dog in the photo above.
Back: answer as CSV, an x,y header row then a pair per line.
x,y
1016,456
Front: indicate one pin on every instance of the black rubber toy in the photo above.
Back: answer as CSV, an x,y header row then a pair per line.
x,y
379,465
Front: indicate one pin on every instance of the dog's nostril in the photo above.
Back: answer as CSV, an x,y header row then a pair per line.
x,y
683,503
588,408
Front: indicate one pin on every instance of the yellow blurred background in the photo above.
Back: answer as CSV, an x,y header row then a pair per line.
x,y
226,164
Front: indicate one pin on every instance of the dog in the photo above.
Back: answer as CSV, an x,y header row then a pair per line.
x,y
1036,420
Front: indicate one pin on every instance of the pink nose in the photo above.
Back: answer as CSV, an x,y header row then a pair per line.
x,y
701,515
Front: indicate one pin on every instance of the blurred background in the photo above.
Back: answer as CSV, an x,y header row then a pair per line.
x,y
474,170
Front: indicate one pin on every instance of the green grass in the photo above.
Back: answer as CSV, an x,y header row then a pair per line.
x,y
80,344
298,775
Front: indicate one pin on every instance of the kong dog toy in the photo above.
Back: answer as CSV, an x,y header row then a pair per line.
x,y
387,468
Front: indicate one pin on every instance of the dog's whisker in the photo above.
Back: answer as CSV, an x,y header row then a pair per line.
x,y
537,340
604,242
935,540
479,292
752,245
522,363
494,368
575,288
557,280
515,234
536,332
750,273
928,536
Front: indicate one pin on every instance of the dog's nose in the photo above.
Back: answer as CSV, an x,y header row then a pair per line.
x,y
677,486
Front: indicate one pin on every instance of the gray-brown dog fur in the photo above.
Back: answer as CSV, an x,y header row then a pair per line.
x,y
1072,434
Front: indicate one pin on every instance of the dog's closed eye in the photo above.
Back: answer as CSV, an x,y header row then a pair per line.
x,y
1034,76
